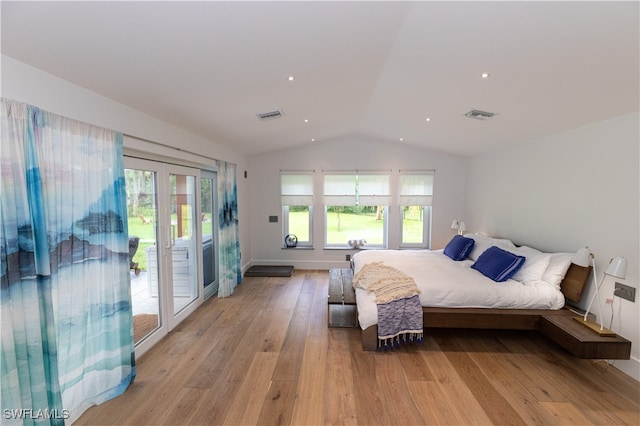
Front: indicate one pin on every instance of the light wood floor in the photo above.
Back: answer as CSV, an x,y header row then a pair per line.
x,y
266,356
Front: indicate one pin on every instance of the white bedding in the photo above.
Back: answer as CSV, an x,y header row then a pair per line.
x,y
447,283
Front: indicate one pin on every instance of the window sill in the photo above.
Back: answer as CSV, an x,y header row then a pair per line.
x,y
297,248
354,249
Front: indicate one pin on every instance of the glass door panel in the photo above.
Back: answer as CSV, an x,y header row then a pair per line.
x,y
183,240
142,218
208,219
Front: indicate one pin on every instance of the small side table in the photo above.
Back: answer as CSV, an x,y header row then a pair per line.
x,y
582,342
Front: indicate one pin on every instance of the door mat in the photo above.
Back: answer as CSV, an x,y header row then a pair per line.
x,y
143,324
269,271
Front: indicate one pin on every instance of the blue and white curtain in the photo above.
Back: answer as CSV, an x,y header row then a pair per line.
x,y
66,321
229,239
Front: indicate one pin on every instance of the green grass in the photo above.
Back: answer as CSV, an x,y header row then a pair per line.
x,y
342,227
412,231
413,225
299,225
354,226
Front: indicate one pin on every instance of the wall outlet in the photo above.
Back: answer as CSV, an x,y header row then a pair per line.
x,y
625,292
273,219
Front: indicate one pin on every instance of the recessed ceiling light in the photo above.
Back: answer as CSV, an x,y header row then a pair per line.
x,y
401,139
485,75
313,139
290,78
428,119
306,121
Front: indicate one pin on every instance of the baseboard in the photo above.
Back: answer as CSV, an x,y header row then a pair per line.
x,y
630,367
244,267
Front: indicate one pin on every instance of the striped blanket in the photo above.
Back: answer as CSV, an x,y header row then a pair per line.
x,y
399,309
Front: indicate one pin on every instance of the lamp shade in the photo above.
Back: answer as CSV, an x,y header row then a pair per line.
x,y
582,257
455,224
463,227
617,267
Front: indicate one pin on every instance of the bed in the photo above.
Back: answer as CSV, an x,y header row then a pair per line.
x,y
455,292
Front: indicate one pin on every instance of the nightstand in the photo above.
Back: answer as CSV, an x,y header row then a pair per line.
x,y
581,341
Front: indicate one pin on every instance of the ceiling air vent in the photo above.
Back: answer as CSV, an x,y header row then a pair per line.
x,y
479,115
272,115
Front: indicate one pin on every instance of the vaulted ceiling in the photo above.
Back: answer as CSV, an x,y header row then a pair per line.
x,y
377,69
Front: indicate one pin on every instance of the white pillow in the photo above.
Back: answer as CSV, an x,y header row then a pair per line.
x,y
505,244
534,266
558,266
481,244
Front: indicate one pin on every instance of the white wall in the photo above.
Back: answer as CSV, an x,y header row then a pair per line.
x,y
349,153
565,191
25,83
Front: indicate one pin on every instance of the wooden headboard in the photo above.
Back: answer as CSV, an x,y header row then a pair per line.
x,y
574,282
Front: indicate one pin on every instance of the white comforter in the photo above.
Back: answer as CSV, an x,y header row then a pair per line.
x,y
446,283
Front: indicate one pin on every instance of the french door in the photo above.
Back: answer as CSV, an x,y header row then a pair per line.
x,y
164,241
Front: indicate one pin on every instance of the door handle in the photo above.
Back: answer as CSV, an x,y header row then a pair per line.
x,y
169,237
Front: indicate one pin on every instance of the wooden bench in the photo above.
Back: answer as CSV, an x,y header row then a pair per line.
x,y
557,325
342,299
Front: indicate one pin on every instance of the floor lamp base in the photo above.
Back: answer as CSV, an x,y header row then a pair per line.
x,y
595,327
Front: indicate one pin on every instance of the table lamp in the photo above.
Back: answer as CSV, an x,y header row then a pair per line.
x,y
459,226
617,268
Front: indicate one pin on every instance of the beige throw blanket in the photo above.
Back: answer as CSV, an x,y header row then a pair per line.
x,y
385,282
399,309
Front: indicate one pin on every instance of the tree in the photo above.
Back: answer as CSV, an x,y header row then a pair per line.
x,y
379,212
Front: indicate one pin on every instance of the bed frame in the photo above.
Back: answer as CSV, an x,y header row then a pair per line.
x,y
555,324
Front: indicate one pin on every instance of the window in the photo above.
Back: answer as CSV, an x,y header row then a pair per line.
x,y
415,195
356,209
297,206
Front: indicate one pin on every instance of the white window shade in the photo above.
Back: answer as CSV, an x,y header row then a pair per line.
x,y
296,190
416,189
340,190
374,190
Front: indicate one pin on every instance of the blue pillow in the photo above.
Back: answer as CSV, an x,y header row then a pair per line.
x,y
498,264
459,247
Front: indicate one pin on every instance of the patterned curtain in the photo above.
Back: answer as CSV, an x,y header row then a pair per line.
x,y
67,332
230,269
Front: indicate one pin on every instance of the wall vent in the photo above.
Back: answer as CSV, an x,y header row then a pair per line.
x,y
479,115
271,115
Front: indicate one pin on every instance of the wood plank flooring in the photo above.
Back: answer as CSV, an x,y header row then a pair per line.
x,y
265,356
